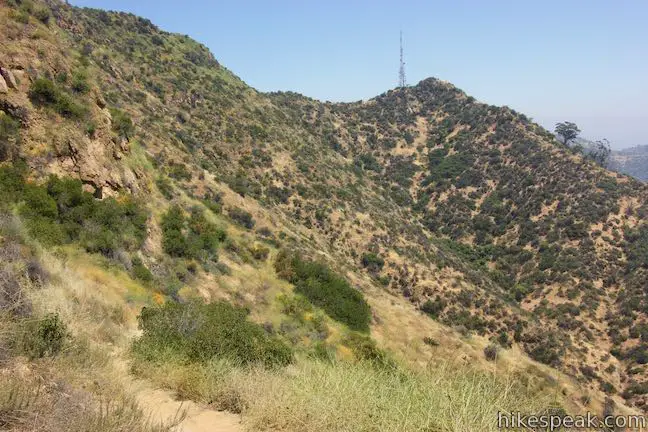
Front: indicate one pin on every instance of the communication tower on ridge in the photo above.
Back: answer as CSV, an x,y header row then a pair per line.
x,y
401,72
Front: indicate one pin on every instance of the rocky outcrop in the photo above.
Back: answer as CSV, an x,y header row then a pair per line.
x,y
90,161
3,86
9,78
16,111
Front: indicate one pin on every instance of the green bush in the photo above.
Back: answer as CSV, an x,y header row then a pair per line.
x,y
448,167
42,14
12,183
100,226
214,202
241,184
204,237
491,352
241,217
122,124
67,107
45,92
636,389
364,348
199,332
435,157
45,337
80,82
21,15
9,137
179,171
545,348
520,291
637,248
372,262
259,252
40,202
140,271
112,225
165,187
174,241
434,307
195,238
61,212
91,129
368,162
325,289
47,231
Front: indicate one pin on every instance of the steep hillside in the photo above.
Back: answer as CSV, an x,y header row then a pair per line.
x,y
445,212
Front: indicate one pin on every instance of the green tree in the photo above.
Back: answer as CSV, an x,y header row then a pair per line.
x,y
601,152
568,131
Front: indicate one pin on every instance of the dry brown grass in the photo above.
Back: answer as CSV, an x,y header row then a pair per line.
x,y
31,402
76,389
344,396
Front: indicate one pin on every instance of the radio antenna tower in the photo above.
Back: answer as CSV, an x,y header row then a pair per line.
x,y
401,72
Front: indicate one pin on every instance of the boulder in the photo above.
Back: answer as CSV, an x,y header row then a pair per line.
x,y
9,78
3,85
19,74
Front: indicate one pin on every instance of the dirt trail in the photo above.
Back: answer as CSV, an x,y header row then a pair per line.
x,y
161,407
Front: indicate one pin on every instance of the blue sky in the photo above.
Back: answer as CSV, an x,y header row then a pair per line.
x,y
582,61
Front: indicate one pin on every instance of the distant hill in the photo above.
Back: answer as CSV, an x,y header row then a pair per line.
x,y
632,161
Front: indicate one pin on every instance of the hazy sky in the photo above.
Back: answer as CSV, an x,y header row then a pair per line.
x,y
582,61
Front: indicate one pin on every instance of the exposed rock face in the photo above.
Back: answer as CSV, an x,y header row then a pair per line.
x,y
3,86
16,111
9,78
19,75
92,167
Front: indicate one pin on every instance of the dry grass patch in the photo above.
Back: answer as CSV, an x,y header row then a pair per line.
x,y
344,396
41,400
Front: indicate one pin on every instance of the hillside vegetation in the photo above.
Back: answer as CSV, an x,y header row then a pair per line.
x,y
275,242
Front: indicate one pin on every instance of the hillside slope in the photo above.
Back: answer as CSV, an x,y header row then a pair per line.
x,y
470,212
632,161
